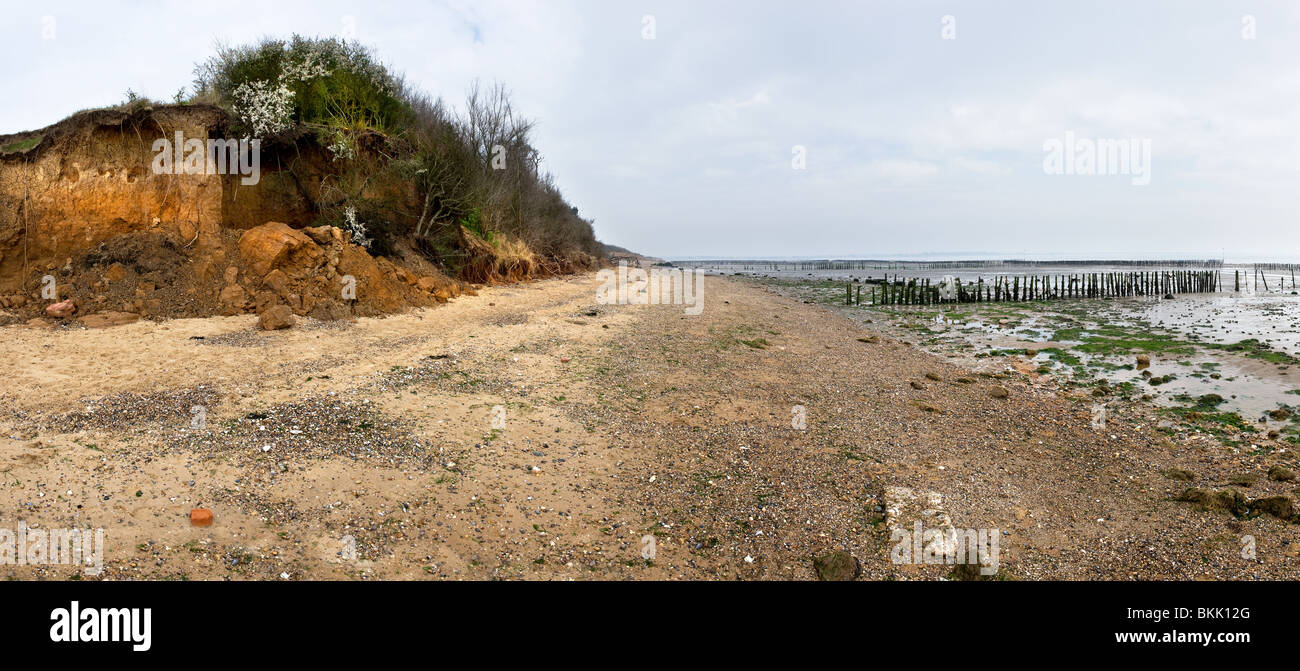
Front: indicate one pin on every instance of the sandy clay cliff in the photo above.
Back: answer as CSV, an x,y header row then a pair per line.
x,y
85,218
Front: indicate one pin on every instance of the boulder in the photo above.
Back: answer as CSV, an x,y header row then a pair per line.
x,y
62,309
275,245
321,234
278,282
232,300
115,273
275,318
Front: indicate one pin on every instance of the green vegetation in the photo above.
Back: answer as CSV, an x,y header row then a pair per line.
x,y
21,145
329,85
1148,343
1255,349
1227,426
1062,356
464,188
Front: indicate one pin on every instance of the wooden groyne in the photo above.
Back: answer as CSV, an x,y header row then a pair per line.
x,y
882,264
1017,288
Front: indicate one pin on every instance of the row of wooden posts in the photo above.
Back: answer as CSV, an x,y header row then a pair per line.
x,y
882,264
921,291
1261,276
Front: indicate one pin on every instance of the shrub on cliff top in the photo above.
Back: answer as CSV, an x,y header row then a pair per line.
x,y
471,177
329,85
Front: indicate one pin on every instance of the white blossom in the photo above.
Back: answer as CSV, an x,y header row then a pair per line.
x,y
264,107
342,146
356,228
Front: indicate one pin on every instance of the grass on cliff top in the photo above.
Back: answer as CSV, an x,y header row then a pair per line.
x,y
20,145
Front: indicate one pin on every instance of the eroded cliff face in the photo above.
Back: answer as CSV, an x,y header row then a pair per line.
x,y
90,179
87,207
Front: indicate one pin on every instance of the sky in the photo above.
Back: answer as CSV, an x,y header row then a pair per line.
x,y
755,128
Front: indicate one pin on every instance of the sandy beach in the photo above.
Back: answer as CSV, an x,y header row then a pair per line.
x,y
375,449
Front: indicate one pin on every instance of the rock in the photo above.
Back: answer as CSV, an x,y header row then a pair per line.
x,y
232,300
278,282
867,339
201,517
275,318
1179,474
323,235
837,566
1143,361
999,392
108,318
933,376
275,245
1279,414
115,273
965,380
917,385
428,284
264,300
1281,473
330,310
62,309
1169,297
40,323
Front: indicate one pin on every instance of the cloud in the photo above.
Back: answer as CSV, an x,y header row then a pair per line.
x,y
681,145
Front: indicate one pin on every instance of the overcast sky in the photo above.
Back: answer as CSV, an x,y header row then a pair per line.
x,y
920,133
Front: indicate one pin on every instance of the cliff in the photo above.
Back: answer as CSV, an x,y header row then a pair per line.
x,y
87,214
